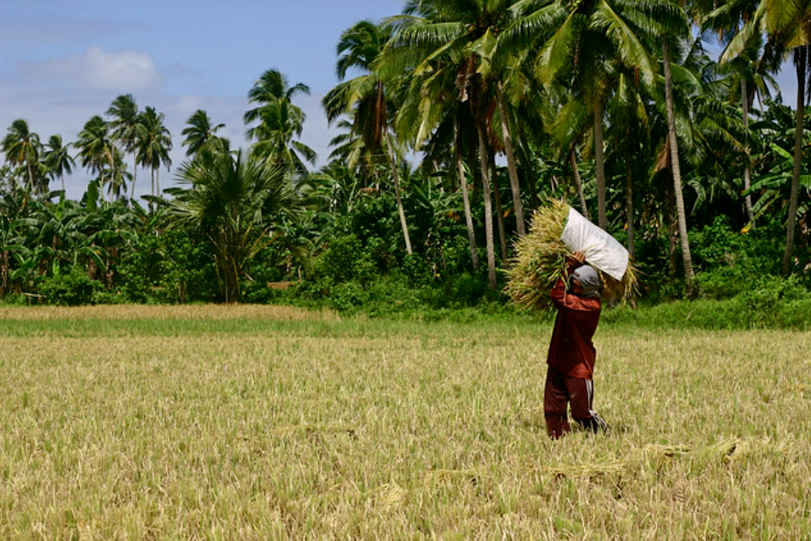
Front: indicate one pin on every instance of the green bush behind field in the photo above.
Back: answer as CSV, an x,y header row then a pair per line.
x,y
737,275
359,271
758,310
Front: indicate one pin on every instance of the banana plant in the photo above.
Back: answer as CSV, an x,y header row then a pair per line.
x,y
773,185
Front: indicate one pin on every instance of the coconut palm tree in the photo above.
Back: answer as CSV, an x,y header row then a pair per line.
x,y
347,147
788,23
118,177
125,129
22,147
365,98
628,111
590,41
673,146
200,132
709,131
433,116
272,86
362,100
448,47
459,35
566,120
748,68
279,122
458,145
96,149
57,158
153,145
752,67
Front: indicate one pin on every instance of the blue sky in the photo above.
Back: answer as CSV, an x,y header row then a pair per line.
x,y
63,61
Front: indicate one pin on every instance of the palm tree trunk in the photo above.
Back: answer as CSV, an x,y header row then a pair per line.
x,y
157,181
488,207
502,234
800,61
672,234
579,184
629,204
151,188
747,179
30,174
134,178
226,258
602,220
687,260
511,167
92,268
471,234
398,197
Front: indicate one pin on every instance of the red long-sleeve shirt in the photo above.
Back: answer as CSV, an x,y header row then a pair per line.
x,y
571,350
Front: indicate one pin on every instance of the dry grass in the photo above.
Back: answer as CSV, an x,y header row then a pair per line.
x,y
312,429
198,312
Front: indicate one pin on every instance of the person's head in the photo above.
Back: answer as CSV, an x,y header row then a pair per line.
x,y
586,282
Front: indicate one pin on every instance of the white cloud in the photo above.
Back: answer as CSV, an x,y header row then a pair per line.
x,y
189,104
125,71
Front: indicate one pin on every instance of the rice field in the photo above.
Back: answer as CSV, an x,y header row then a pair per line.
x,y
249,423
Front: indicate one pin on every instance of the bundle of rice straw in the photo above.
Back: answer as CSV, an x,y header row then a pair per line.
x,y
540,260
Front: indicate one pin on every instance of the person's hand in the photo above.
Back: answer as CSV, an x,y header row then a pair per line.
x,y
577,258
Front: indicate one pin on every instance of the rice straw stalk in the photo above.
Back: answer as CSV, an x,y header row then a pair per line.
x,y
540,260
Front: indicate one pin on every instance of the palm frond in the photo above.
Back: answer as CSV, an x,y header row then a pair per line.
x,y
627,43
557,51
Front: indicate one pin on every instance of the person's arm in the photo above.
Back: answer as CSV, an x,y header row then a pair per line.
x,y
558,292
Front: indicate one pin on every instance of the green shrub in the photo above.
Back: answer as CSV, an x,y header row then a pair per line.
x,y
722,283
103,296
770,302
727,261
468,289
417,270
263,268
347,296
73,288
14,299
173,267
345,260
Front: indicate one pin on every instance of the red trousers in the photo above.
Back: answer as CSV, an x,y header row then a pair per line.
x,y
563,391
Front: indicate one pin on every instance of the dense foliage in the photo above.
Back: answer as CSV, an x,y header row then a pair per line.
x,y
693,162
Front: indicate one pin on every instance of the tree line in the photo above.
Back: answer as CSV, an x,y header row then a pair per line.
x,y
614,105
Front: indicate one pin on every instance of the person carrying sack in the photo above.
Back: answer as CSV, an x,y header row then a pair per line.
x,y
571,351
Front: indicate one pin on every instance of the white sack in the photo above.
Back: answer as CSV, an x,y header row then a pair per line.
x,y
601,249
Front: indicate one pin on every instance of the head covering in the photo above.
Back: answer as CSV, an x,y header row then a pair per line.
x,y
589,280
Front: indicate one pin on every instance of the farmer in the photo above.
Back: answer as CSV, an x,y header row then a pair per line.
x,y
571,352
